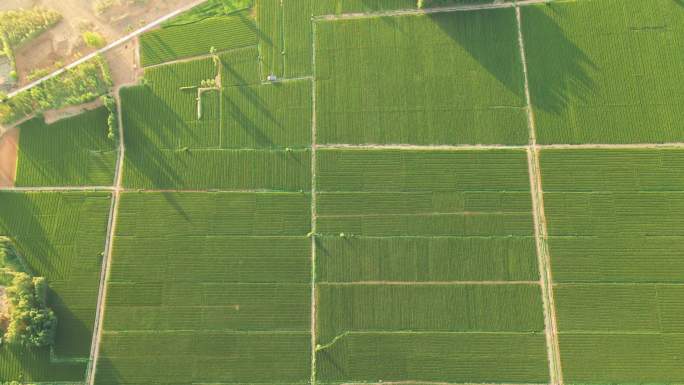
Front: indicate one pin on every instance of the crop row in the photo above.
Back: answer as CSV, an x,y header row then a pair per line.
x,y
61,236
198,38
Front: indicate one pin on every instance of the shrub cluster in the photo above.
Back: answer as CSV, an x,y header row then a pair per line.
x,y
112,123
22,25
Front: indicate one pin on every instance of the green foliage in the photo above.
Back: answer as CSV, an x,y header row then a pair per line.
x,y
176,42
10,259
94,39
22,25
77,86
32,323
112,122
37,74
74,151
102,6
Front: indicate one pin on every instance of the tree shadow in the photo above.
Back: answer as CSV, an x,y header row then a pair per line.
x,y
142,153
20,221
73,336
558,70
552,82
41,148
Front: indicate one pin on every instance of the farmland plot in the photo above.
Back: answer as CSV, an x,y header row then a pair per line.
x,y
61,235
426,210
197,38
614,81
248,136
218,291
445,78
71,152
615,236
270,19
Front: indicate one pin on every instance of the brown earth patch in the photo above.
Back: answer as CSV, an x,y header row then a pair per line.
x,y
52,116
122,63
63,44
9,146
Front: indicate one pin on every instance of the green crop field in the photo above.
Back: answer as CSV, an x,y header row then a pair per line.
x,y
71,152
197,38
245,123
615,81
61,236
614,221
466,206
235,288
442,357
453,78
331,192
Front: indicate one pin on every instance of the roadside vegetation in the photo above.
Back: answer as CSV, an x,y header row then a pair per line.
x,y
78,85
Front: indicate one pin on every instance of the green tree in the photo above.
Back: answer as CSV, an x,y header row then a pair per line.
x,y
94,39
32,323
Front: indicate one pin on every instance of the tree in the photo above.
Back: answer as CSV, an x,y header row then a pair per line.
x,y
31,323
94,39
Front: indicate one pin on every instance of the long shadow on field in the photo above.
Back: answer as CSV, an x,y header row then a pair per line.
x,y
235,112
39,142
108,373
20,221
73,336
553,80
558,70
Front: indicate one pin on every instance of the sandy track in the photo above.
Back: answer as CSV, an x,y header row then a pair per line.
x,y
540,229
425,11
9,150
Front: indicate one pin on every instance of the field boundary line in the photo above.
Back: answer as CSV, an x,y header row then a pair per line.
x,y
314,229
58,189
428,283
112,45
418,382
493,147
609,146
238,191
427,11
197,57
436,147
106,262
540,230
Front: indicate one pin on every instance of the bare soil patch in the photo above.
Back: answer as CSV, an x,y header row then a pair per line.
x,y
52,116
63,43
9,146
123,63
